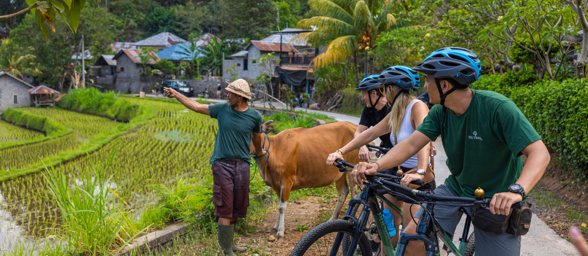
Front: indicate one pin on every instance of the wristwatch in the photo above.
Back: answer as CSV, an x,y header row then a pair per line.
x,y
516,188
421,171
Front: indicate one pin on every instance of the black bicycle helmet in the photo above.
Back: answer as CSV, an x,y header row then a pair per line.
x,y
368,84
459,64
401,76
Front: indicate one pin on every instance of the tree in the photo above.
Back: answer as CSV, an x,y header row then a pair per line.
x,y
581,16
213,56
166,66
267,64
15,64
251,18
45,11
158,20
343,25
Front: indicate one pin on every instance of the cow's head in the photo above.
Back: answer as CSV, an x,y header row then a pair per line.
x,y
267,126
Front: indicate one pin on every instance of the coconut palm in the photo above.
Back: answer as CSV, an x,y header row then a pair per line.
x,y
345,27
19,65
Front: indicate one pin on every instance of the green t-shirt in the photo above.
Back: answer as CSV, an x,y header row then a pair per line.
x,y
233,139
483,145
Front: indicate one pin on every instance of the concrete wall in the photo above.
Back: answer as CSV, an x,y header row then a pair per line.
x,y
131,71
10,87
253,69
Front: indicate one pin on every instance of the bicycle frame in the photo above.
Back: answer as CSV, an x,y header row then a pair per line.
x,y
368,200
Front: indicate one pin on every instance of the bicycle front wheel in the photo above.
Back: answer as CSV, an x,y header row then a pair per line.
x,y
320,240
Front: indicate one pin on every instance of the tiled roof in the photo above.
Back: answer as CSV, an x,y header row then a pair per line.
x,y
205,39
175,52
122,45
2,73
164,39
271,47
134,56
41,89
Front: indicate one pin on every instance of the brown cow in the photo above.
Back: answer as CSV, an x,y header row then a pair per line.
x,y
297,160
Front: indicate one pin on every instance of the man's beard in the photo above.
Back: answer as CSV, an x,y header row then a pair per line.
x,y
233,103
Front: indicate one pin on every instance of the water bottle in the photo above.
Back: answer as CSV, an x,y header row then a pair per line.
x,y
389,220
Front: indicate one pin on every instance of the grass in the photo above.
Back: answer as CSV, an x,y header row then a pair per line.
x,y
550,200
11,133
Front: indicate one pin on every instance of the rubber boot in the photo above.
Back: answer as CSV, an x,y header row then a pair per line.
x,y
225,239
235,247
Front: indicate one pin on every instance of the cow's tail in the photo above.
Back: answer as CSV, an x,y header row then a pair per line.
x,y
351,184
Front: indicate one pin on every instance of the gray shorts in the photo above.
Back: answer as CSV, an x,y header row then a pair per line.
x,y
487,244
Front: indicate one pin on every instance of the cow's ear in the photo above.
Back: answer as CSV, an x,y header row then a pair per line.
x,y
267,126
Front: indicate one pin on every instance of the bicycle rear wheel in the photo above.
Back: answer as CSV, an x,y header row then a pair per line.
x,y
471,246
320,240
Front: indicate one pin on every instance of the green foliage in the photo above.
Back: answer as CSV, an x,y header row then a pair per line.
x,y
288,97
286,120
166,66
11,133
94,102
30,121
520,54
555,109
93,219
333,78
351,102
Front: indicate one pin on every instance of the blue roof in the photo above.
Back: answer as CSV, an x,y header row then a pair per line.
x,y
175,52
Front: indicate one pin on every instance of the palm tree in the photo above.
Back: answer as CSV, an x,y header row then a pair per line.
x,y
345,27
213,57
19,65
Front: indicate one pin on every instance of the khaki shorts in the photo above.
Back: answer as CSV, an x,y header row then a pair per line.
x,y
231,188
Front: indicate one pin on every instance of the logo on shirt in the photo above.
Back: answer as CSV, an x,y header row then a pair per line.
x,y
475,137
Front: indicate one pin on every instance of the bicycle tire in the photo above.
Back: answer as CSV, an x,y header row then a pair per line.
x,y
327,231
471,246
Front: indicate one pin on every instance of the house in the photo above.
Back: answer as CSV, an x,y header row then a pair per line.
x,y
205,39
13,92
117,46
128,70
247,68
104,69
160,41
175,53
4,33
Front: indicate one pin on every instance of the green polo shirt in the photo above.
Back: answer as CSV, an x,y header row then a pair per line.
x,y
483,145
233,140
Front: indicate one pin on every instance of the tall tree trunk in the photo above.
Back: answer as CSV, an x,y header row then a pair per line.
x,y
581,14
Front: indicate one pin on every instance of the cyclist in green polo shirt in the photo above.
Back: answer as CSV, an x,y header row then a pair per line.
x,y
484,135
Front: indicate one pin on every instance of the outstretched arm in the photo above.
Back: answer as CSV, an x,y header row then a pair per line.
x,y
190,104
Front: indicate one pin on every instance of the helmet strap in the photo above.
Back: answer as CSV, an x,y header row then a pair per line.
x,y
441,94
396,97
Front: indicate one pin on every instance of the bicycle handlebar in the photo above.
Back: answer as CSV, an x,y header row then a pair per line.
x,y
342,165
429,196
383,150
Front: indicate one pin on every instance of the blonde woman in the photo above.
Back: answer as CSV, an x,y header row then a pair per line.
x,y
407,114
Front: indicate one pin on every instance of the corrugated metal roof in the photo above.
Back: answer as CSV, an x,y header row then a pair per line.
x,y
241,54
164,39
175,52
41,89
134,56
105,60
271,47
286,38
205,39
122,45
2,73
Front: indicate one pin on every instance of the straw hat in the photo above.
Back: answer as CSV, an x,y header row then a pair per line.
x,y
240,87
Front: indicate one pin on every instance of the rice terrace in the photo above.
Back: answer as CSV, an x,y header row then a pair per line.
x,y
84,157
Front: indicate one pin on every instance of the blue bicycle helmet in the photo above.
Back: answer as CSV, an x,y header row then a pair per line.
x,y
459,64
369,83
403,76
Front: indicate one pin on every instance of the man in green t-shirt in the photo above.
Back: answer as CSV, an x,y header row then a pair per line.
x,y
238,125
484,135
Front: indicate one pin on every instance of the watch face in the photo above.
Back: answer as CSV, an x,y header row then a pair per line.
x,y
421,171
516,188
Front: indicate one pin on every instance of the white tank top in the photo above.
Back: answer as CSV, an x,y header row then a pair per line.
x,y
405,131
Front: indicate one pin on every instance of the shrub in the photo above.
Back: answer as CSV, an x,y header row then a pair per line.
x,y
555,108
91,101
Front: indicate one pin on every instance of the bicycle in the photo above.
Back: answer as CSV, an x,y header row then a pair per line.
x,y
327,237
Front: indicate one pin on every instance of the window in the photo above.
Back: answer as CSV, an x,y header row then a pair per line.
x,y
245,64
122,69
15,99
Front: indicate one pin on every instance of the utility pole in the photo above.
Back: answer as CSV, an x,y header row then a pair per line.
x,y
83,64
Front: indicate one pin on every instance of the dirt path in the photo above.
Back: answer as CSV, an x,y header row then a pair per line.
x,y
301,216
